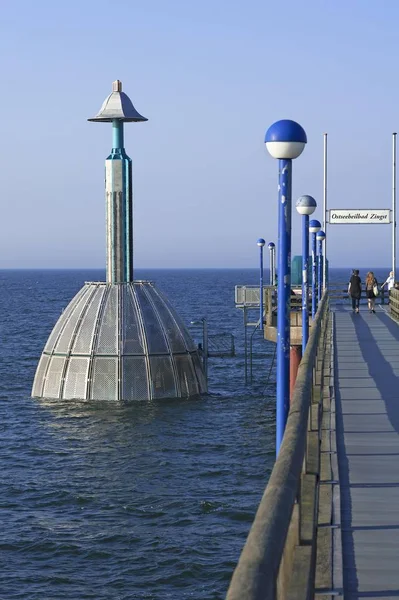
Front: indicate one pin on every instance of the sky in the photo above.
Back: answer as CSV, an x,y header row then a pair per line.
x,y
211,77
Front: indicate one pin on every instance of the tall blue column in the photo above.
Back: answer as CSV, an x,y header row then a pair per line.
x,y
261,289
305,281
283,298
118,185
320,282
314,276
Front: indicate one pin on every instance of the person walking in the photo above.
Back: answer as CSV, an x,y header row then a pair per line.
x,y
371,290
390,282
355,290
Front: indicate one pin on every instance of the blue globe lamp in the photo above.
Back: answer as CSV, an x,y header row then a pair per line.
x,y
305,206
285,140
314,228
320,237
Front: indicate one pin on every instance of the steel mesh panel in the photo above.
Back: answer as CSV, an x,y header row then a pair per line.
x,y
162,378
135,384
76,378
155,337
52,384
199,373
190,345
62,320
64,341
37,389
187,378
173,334
84,338
132,342
104,384
107,342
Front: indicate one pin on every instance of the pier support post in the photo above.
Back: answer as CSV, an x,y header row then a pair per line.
x,y
295,359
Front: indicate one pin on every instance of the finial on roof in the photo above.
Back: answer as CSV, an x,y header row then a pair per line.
x,y
117,106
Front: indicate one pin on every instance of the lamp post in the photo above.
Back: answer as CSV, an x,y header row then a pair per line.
x,y
320,237
306,205
261,242
272,253
314,227
285,140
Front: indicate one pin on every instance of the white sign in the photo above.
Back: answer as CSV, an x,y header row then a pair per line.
x,y
369,215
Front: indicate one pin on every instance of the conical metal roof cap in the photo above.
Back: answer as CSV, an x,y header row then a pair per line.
x,y
117,106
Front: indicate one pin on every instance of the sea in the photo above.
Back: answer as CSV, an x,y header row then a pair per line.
x,y
142,501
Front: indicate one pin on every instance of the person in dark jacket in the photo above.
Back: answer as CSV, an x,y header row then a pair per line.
x,y
355,290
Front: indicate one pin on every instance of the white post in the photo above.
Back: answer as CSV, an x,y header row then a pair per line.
x,y
325,212
394,204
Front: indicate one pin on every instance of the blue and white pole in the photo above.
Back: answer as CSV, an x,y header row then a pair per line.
x,y
306,205
314,227
320,237
272,257
285,140
261,242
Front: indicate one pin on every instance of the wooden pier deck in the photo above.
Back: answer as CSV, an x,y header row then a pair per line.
x,y
367,405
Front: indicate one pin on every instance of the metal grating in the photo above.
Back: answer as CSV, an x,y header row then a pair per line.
x,y
174,336
84,338
155,337
162,379
104,385
190,345
62,320
52,384
64,341
203,388
132,342
187,378
135,384
76,379
37,389
108,335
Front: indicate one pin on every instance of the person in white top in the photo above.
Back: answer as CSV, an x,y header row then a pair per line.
x,y
390,281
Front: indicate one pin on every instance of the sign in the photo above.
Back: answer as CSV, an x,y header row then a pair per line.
x,y
356,216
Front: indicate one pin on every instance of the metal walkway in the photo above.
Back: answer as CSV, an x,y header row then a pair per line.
x,y
367,404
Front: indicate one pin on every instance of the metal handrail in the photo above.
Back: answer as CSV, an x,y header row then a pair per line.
x,y
255,577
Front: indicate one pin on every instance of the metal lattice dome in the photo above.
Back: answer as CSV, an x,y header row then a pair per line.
x,y
119,342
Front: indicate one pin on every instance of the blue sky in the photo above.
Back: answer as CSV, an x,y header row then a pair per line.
x,y
210,76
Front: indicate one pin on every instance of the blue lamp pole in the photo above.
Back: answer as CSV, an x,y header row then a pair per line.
x,y
306,205
314,227
261,242
285,140
272,252
320,237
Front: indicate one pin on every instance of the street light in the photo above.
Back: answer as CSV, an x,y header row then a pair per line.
x,y
261,242
285,140
305,205
320,237
314,227
204,324
272,253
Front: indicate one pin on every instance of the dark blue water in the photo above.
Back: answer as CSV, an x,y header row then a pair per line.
x,y
149,501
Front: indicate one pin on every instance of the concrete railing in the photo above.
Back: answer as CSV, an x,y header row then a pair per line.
x,y
278,559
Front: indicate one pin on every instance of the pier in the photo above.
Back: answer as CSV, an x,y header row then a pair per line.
x,y
328,523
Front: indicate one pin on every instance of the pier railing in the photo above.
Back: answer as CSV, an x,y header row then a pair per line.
x,y
394,303
279,557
